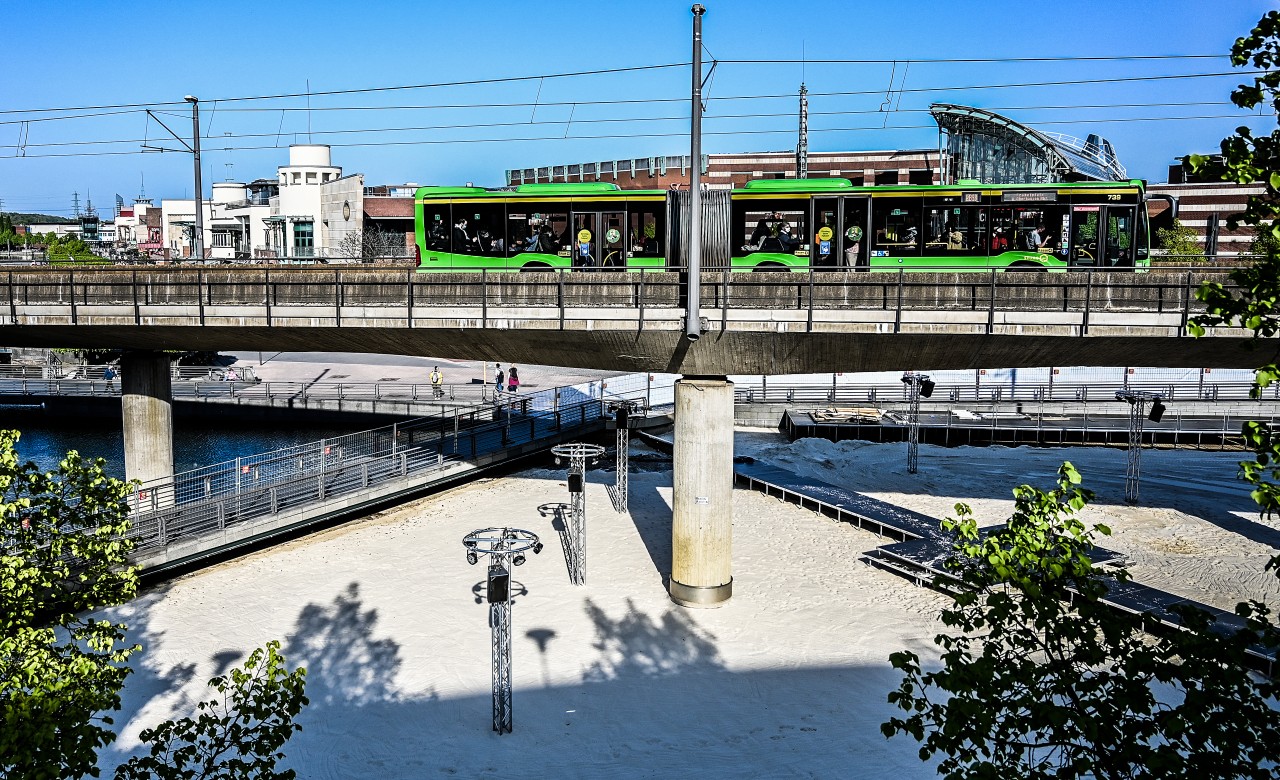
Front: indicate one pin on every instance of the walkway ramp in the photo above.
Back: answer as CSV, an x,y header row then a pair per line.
x,y
212,511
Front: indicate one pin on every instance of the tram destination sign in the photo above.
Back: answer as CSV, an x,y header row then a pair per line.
x,y
1029,196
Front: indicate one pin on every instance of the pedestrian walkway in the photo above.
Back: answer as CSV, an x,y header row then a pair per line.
x,y
213,510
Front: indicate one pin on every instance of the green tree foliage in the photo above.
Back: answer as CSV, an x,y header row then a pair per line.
x,y
1178,240
1253,300
62,555
1044,680
237,734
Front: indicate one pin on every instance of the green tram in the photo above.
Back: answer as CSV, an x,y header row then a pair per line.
x,y
787,225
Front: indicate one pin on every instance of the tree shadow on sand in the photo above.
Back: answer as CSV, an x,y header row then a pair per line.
x,y
345,663
636,645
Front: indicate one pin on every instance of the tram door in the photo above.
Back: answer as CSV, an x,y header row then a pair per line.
x,y
1118,242
824,244
598,239
1084,236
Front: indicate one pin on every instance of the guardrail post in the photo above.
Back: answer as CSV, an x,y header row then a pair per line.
x,y
991,304
640,301
484,298
268,292
337,299
808,325
1186,305
409,299
395,435
1088,294
560,294
275,501
404,463
13,304
320,479
200,293
897,317
364,475
137,313
71,284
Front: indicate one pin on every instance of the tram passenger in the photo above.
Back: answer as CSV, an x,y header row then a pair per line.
x,y
437,236
462,241
998,241
955,239
1034,242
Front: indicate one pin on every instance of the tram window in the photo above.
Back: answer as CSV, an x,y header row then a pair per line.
x,y
1119,250
537,227
435,220
478,229
955,230
645,233
896,226
1039,228
779,226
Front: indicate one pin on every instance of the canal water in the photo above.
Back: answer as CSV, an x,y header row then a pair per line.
x,y
46,440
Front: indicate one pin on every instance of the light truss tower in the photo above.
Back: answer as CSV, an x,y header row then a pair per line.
x,y
1137,400
623,413
506,548
918,386
579,455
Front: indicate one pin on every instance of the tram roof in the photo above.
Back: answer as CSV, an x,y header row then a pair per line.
x,y
808,186
543,190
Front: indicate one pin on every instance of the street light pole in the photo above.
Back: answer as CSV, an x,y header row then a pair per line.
x,y
197,243
693,318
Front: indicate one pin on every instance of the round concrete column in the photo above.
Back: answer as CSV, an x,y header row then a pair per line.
x,y
147,402
702,523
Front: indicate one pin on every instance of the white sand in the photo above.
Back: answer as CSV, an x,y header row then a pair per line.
x,y
611,679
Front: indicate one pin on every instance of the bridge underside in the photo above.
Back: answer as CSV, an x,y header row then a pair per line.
x,y
665,350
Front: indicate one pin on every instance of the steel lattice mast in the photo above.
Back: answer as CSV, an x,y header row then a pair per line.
x,y
1137,400
505,548
918,386
578,454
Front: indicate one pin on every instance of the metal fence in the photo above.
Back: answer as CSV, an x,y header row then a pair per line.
x,y
214,498
765,391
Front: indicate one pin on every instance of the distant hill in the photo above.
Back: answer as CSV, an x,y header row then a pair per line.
x,y
39,219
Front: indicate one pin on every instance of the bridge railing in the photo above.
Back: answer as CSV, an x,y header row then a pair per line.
x,y
235,493
851,394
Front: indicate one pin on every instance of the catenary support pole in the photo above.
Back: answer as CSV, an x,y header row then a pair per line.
x,y
702,505
197,243
693,315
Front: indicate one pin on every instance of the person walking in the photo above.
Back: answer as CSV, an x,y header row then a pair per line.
x,y
513,381
109,374
498,378
437,383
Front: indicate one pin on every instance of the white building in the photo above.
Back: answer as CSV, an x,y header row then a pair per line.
x,y
297,210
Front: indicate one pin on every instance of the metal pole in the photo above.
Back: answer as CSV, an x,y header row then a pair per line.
x,y
500,622
197,244
693,318
802,144
913,422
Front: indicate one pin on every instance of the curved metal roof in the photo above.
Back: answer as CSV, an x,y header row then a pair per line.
x,y
1092,158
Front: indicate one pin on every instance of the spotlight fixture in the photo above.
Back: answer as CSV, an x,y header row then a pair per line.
x,y
926,387
1157,411
537,548
472,558
518,559
469,543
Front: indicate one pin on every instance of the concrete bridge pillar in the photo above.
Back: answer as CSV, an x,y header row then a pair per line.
x,y
147,401
702,469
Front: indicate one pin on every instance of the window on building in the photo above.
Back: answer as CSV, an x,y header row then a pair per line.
x,y
311,177
297,178
886,177
920,176
222,238
896,226
303,239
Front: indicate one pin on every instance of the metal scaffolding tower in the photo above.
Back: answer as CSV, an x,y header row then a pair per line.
x,y
579,456
918,386
505,548
1137,400
623,413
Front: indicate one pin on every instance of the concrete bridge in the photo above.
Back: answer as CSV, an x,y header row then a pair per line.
x,y
763,323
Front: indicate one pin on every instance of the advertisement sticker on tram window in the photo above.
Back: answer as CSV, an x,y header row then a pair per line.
x,y
854,233
824,233
824,247
584,236
612,235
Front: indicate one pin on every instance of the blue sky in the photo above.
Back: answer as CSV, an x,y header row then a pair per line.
x,y
91,53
